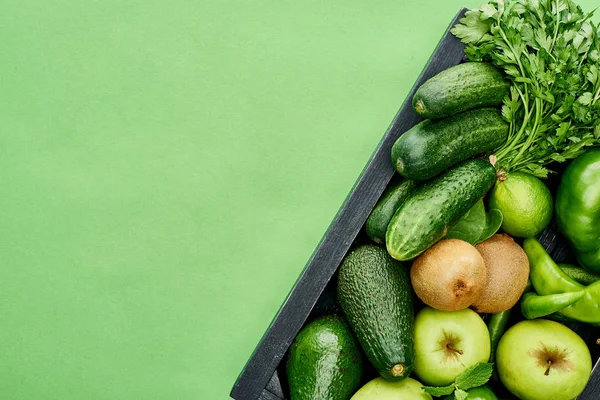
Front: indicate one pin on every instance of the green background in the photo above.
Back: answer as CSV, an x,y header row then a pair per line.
x,y
168,167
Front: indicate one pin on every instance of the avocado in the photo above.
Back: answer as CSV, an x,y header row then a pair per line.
x,y
375,295
325,362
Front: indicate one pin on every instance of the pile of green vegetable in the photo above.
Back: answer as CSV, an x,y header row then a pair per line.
x,y
549,50
415,301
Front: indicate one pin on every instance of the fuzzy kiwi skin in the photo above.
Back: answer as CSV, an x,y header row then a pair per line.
x,y
449,276
507,274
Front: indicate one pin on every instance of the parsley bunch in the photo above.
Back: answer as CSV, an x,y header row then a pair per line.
x,y
550,51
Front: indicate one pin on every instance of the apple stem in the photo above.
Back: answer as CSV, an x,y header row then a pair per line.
x,y
549,362
452,348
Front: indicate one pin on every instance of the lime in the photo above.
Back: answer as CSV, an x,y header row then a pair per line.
x,y
525,203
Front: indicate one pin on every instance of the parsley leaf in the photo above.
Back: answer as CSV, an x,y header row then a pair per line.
x,y
550,52
472,27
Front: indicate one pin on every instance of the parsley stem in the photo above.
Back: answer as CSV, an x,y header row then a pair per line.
x,y
510,145
534,131
596,96
555,30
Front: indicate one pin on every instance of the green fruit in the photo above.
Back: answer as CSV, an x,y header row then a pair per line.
x,y
380,389
578,208
478,393
375,295
431,147
525,202
324,362
427,215
460,88
448,343
383,212
543,360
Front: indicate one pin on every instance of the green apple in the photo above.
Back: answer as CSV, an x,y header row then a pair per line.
x,y
380,389
543,360
478,393
447,343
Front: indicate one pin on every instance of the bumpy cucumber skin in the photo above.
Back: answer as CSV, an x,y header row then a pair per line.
x,y
431,147
427,215
380,217
375,294
325,362
460,88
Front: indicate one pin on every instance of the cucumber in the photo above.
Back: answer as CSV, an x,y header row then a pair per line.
x,y
375,294
460,88
427,215
383,212
431,147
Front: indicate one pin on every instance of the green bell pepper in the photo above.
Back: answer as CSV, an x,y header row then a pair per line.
x,y
547,279
578,208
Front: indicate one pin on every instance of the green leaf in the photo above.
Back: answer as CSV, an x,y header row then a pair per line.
x,y
536,170
470,226
474,376
586,98
493,222
472,27
460,394
488,11
592,75
439,391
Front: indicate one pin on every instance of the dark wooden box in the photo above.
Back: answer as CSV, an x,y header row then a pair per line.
x,y
314,292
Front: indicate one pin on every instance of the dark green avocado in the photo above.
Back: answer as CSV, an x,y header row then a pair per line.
x,y
376,297
325,362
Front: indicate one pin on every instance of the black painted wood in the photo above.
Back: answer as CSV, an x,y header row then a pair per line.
x,y
274,386
339,237
266,395
260,377
592,390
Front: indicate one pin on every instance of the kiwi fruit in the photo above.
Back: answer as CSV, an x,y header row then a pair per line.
x,y
449,276
507,273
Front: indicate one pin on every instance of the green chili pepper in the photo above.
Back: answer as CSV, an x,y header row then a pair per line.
x,y
578,208
547,279
534,306
496,326
579,274
559,317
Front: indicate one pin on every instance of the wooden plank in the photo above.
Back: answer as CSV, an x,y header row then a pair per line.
x,y
339,237
266,395
274,386
592,390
